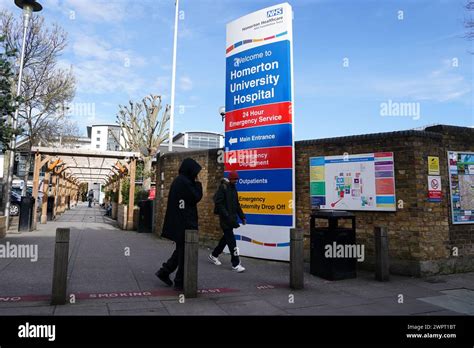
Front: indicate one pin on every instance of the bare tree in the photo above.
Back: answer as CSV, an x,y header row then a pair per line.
x,y
45,88
69,134
65,134
144,130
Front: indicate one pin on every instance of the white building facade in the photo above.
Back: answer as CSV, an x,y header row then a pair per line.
x,y
106,137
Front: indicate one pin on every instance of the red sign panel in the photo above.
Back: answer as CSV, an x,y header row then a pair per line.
x,y
152,193
257,116
264,158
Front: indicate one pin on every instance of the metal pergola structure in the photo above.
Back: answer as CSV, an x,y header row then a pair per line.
x,y
67,168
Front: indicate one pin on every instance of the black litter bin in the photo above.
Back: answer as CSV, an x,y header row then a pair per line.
x,y
327,262
26,214
145,218
50,208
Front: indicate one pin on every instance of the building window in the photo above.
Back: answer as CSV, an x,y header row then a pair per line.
x,y
98,139
98,132
112,139
97,146
203,142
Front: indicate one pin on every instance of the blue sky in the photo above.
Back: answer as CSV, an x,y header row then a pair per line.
x,y
122,50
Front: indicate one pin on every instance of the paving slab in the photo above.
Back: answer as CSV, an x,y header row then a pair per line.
x,y
255,307
441,313
142,312
24,304
465,295
233,299
36,310
82,310
391,306
451,303
316,311
193,307
138,305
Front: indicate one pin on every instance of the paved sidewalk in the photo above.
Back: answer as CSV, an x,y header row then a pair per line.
x,y
104,281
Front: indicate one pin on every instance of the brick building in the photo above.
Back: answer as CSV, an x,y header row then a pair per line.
x,y
423,241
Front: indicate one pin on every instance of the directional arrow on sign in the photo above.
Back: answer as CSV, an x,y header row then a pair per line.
x,y
232,141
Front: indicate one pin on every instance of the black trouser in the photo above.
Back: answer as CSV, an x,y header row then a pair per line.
x,y
229,240
176,261
90,203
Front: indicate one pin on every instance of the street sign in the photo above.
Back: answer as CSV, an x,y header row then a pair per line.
x,y
259,128
434,188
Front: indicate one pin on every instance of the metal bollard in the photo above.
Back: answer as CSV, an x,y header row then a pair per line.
x,y
61,258
382,266
191,248
296,258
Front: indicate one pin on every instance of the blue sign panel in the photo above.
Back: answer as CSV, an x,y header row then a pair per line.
x,y
258,76
271,220
274,180
258,137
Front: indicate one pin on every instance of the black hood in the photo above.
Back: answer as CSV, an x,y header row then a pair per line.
x,y
190,168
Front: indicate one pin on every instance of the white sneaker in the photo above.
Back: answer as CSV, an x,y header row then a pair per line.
x,y
239,268
214,260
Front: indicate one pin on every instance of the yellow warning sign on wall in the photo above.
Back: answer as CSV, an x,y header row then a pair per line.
x,y
433,165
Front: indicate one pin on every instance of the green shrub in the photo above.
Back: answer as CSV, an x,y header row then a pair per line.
x,y
140,194
125,191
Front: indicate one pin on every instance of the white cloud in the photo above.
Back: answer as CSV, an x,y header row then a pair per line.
x,y
185,83
101,68
185,33
162,86
50,3
95,76
98,11
441,85
93,48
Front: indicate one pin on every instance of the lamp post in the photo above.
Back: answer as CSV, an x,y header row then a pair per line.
x,y
222,112
28,7
173,77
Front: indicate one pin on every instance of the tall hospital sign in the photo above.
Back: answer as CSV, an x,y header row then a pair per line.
x,y
259,128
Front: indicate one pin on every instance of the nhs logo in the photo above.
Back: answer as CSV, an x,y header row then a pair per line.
x,y
275,12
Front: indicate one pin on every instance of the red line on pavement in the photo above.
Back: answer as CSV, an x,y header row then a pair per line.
x,y
112,295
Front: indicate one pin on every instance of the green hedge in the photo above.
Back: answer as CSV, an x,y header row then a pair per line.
x,y
140,194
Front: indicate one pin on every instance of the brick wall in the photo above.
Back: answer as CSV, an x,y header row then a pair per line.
x,y
122,216
210,176
3,227
421,236
460,236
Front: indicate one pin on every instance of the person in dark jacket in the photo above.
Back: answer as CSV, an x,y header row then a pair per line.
x,y
90,197
181,214
228,207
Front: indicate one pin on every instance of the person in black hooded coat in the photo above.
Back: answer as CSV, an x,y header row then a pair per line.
x,y
181,214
